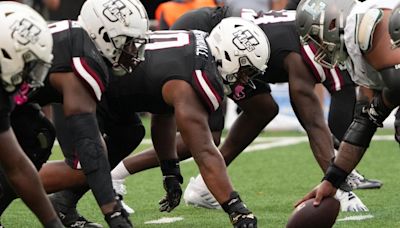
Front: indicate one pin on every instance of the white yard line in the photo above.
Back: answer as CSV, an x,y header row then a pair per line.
x,y
355,218
164,220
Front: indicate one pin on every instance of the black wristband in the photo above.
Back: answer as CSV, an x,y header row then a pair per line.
x,y
335,175
171,167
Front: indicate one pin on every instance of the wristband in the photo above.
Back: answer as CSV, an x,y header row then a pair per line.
x,y
171,168
335,175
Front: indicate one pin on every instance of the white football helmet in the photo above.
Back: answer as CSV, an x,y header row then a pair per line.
x,y
118,28
239,45
26,46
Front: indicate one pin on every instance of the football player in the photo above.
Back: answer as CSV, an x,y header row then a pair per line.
x,y
25,59
181,92
289,62
355,34
77,79
394,25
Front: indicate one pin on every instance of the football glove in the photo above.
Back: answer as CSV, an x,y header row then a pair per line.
x,y
244,219
239,214
174,192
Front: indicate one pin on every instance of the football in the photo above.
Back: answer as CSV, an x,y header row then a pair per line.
x,y
307,216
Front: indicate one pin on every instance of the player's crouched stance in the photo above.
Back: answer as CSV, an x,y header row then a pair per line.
x,y
241,51
394,31
356,34
25,59
235,50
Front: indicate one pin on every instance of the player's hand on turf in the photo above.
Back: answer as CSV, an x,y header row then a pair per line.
x,y
323,190
174,192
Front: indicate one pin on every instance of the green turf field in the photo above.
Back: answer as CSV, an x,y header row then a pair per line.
x,y
270,180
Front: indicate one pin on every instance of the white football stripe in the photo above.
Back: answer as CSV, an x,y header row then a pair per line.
x,y
87,76
318,67
207,90
336,79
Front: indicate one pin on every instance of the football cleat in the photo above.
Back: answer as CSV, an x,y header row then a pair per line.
x,y
350,202
118,218
120,189
358,181
197,194
71,217
75,220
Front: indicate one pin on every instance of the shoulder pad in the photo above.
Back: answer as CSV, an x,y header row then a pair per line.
x,y
367,27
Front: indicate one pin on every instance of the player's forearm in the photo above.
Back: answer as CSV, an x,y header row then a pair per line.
x,y
349,156
163,134
310,114
320,142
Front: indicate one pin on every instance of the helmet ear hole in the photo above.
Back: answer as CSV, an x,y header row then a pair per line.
x,y
227,57
106,38
5,54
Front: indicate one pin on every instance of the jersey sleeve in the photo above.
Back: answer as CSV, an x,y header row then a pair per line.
x,y
88,64
195,20
208,89
283,40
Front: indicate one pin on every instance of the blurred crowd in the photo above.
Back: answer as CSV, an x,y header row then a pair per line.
x,y
162,12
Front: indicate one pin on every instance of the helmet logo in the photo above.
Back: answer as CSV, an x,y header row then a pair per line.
x,y
116,10
245,40
24,31
313,9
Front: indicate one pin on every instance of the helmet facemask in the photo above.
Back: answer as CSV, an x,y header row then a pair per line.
x,y
329,54
132,53
247,71
33,73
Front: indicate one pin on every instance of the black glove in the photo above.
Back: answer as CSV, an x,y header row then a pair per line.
x,y
240,216
239,220
174,192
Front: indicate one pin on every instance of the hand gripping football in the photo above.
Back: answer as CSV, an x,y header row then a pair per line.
x,y
307,216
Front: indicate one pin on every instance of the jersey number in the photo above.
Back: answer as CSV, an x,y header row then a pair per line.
x,y
269,17
162,40
62,25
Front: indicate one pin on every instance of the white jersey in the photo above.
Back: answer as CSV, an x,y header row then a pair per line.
x,y
361,72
